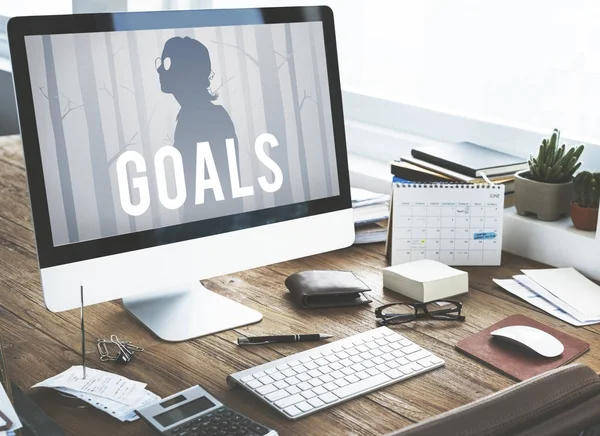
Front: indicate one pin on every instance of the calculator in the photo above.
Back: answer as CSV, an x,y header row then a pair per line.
x,y
194,412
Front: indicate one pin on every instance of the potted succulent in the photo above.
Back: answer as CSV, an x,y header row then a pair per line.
x,y
584,210
546,188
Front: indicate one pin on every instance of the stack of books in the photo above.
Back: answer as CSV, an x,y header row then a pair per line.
x,y
462,162
371,212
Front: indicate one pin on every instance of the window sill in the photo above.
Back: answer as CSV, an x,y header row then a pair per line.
x,y
527,237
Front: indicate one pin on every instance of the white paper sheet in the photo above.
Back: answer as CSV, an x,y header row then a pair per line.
x,y
571,287
99,383
543,292
517,289
8,409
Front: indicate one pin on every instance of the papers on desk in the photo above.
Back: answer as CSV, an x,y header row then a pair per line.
x,y
562,292
116,395
7,408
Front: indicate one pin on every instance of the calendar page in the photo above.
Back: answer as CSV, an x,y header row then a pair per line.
x,y
456,224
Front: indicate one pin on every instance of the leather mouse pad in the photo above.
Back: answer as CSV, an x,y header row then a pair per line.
x,y
515,360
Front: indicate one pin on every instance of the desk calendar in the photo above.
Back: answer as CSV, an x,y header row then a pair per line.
x,y
456,224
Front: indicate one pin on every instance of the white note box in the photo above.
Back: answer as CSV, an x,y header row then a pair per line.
x,y
453,223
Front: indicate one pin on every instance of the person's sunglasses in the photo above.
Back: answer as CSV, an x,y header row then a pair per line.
x,y
400,313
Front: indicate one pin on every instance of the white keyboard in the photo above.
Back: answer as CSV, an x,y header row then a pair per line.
x,y
321,377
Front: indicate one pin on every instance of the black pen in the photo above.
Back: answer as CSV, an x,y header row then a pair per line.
x,y
259,340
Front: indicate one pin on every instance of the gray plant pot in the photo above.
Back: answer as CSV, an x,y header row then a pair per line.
x,y
546,201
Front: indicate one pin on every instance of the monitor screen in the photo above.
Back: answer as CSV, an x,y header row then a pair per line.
x,y
145,129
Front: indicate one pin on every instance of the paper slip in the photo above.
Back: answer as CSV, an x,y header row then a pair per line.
x,y
100,383
543,292
120,411
519,290
571,287
8,409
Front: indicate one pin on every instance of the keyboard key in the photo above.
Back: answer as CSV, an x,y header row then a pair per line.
x,y
358,341
315,356
277,395
362,375
361,385
372,371
254,384
348,371
288,372
346,362
347,345
319,390
300,369
368,364
292,411
308,394
330,386
425,363
393,363
282,367
304,376
304,406
381,342
337,349
415,366
315,373
293,390
326,352
417,356
304,386
397,353
358,367
362,348
352,352
325,369
352,379
394,373
411,349
315,382
336,366
332,358
264,390
383,367
281,384
315,402
293,364
292,380
342,355
259,374
328,398
304,359
376,352
405,342
402,361
377,360
395,345
435,360
326,378
311,365
288,401
321,362
266,380
367,355
341,383
372,345
406,369
271,371
388,332
277,376
337,374
387,357
356,359
377,335
247,378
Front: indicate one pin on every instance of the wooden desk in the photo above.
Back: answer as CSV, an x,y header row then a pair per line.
x,y
41,344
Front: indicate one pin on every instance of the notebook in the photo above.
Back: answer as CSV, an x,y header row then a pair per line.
x,y
515,361
456,224
470,159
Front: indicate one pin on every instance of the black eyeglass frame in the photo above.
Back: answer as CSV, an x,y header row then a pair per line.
x,y
453,314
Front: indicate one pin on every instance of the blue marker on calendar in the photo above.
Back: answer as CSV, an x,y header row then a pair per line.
x,y
484,235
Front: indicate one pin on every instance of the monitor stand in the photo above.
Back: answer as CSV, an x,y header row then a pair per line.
x,y
187,312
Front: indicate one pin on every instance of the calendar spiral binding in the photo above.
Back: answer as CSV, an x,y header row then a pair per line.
x,y
448,185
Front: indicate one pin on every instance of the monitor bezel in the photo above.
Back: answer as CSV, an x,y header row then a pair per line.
x,y
50,255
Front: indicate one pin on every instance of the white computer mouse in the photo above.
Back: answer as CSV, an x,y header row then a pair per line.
x,y
535,339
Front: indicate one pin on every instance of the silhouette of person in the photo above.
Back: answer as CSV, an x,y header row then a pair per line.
x,y
184,70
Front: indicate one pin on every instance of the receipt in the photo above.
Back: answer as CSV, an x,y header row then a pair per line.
x,y
98,383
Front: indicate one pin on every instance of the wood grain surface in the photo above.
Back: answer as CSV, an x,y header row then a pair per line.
x,y
40,344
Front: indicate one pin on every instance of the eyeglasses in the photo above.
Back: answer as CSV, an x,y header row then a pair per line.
x,y
166,63
400,313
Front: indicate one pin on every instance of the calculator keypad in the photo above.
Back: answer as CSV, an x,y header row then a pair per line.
x,y
220,422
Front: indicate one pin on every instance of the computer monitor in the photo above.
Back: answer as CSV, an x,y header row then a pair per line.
x,y
167,147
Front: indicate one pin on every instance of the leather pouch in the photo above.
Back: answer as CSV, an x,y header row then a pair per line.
x,y
317,289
